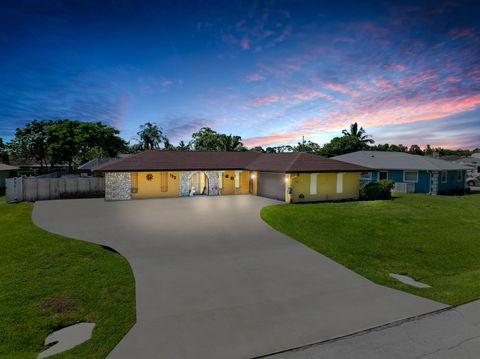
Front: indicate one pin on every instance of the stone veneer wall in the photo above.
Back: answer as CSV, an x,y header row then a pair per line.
x,y
185,177
117,186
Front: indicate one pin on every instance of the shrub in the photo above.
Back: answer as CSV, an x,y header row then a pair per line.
x,y
377,190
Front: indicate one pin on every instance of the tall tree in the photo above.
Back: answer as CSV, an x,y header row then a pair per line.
x,y
62,142
3,152
151,136
257,149
341,145
96,139
182,146
206,140
359,133
30,143
230,143
167,145
415,150
307,146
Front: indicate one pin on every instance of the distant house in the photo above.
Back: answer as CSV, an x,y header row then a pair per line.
x,y
411,173
87,168
6,171
473,162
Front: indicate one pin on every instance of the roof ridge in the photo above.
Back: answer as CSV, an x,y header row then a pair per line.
x,y
289,167
118,160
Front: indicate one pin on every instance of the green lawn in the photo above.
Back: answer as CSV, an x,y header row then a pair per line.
x,y
49,281
434,239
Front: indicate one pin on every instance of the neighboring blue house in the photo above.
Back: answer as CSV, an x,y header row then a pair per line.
x,y
411,173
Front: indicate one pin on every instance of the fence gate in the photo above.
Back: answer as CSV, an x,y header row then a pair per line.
x,y
14,192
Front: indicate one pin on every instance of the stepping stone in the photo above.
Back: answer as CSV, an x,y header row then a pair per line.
x,y
67,338
408,280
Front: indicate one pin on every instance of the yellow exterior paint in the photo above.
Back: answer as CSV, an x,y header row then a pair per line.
x,y
229,183
152,189
254,179
326,187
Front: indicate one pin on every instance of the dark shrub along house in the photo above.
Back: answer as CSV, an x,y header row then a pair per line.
x,y
289,177
411,173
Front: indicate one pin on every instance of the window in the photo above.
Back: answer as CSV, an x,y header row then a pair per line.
x,y
443,176
164,181
383,175
459,176
134,182
340,182
313,183
410,176
237,179
220,180
366,176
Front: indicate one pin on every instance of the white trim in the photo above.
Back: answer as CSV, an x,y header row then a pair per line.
x,y
220,179
237,179
369,178
441,176
313,183
459,176
340,182
405,180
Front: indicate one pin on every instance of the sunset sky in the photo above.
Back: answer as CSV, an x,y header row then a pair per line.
x,y
409,72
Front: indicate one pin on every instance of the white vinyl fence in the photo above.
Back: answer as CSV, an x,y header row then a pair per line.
x,y
36,189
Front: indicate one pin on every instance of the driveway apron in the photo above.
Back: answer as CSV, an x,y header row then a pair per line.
x,y
214,281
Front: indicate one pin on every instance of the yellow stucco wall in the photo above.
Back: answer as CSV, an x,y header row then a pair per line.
x,y
229,183
326,187
152,189
254,177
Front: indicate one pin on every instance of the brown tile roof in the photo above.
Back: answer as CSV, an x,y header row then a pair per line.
x,y
192,160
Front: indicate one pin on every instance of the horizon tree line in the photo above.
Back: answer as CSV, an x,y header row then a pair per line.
x,y
73,142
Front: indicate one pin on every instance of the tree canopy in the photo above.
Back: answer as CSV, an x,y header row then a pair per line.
x,y
64,141
151,136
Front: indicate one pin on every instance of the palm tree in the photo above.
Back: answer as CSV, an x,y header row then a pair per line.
x,y
150,136
182,146
359,134
230,143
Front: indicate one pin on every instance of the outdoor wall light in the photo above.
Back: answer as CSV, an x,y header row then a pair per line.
x,y
252,176
286,179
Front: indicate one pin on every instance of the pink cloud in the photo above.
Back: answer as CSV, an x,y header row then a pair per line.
x,y
245,44
398,111
311,94
341,88
271,139
265,100
399,67
458,33
453,79
384,84
254,77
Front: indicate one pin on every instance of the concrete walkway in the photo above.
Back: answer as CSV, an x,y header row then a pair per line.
x,y
214,281
452,333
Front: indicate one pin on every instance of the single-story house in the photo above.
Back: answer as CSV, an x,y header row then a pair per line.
x,y
289,177
411,173
6,171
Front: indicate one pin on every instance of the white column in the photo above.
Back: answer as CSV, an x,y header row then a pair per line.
x,y
313,183
340,182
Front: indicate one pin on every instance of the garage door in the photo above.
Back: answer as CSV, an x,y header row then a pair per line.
x,y
271,185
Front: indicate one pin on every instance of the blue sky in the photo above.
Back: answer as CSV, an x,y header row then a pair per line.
x,y
272,71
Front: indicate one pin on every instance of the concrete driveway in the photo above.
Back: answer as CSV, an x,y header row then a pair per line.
x,y
214,281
